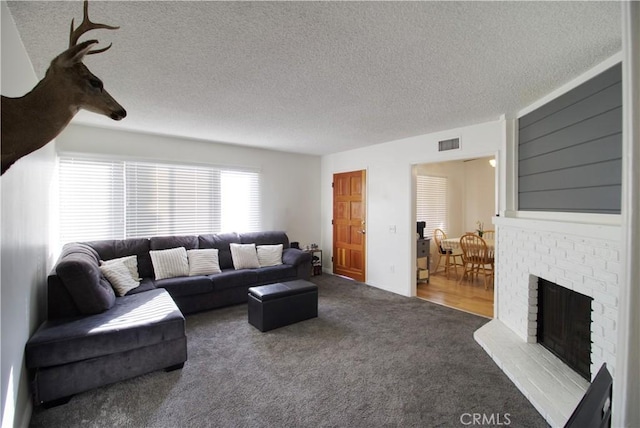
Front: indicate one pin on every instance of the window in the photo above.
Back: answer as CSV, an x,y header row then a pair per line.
x,y
240,201
104,199
164,199
432,203
91,200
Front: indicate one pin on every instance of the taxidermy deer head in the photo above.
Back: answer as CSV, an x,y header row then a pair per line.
x,y
31,121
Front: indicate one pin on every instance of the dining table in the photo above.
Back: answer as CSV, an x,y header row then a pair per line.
x,y
454,244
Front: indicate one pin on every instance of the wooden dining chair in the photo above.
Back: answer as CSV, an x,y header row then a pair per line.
x,y
452,258
476,256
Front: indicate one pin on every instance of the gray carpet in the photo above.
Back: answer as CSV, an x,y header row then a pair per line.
x,y
371,359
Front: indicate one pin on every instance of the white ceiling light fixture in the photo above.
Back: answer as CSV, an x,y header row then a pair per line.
x,y
492,162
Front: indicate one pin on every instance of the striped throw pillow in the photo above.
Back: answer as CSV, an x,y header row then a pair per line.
x,y
269,255
121,273
170,263
244,256
203,262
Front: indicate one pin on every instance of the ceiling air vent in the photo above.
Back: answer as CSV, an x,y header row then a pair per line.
x,y
451,144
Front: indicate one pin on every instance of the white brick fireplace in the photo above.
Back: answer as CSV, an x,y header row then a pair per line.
x,y
579,256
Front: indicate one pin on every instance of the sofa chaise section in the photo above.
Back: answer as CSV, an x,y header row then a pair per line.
x,y
142,333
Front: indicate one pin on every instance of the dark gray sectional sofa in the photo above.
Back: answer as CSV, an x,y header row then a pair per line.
x,y
92,337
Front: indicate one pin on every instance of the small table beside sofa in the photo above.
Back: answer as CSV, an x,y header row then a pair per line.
x,y
98,331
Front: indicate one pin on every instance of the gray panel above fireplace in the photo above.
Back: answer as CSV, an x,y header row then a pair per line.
x,y
570,150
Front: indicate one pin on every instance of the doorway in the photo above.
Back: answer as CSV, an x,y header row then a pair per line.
x,y
463,200
349,224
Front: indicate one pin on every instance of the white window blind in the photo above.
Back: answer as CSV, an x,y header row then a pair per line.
x,y
157,199
432,203
91,196
240,201
165,199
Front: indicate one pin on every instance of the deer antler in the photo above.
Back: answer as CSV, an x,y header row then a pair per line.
x,y
31,121
87,25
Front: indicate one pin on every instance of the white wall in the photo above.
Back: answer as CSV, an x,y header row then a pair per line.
x,y
480,194
24,234
626,390
390,262
290,182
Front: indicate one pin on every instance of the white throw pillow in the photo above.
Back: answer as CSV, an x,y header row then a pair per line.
x,y
170,263
203,262
269,255
131,262
122,273
244,256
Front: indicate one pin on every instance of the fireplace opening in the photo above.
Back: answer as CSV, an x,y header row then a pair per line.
x,y
564,325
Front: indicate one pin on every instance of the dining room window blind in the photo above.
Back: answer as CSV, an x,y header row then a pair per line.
x,y
128,199
432,204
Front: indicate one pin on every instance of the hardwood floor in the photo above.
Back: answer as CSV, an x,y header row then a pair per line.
x,y
466,296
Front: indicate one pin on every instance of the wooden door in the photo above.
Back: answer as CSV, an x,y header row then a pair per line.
x,y
349,224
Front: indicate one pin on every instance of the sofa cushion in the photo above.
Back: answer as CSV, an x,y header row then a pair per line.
x,y
220,241
134,322
60,303
122,273
203,261
234,278
113,249
146,284
269,255
244,256
185,285
189,242
294,257
80,273
170,263
265,238
278,273
130,262
80,248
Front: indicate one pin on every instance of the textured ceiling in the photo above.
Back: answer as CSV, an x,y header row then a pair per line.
x,y
323,77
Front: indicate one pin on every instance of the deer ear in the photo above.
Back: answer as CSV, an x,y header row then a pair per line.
x,y
74,54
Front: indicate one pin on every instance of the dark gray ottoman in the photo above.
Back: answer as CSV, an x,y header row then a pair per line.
x,y
276,305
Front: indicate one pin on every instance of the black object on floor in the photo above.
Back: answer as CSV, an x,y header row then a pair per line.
x,y
276,305
594,410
